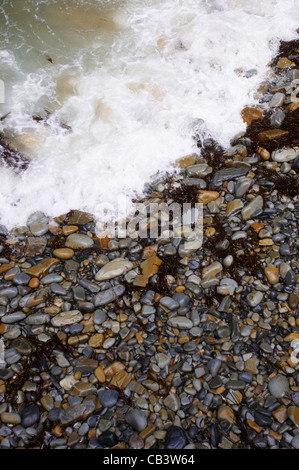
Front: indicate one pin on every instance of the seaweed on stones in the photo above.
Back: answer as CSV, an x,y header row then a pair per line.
x,y
33,361
288,49
290,124
247,261
56,241
239,421
285,185
181,194
272,364
163,383
214,153
11,158
42,438
7,251
169,266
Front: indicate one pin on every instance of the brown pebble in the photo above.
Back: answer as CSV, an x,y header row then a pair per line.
x,y
250,114
34,283
293,414
69,229
2,386
96,340
263,153
100,374
64,253
280,414
272,274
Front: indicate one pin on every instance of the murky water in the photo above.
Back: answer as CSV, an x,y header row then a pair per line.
x,y
122,86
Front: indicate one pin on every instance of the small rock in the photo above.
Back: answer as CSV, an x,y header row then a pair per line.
x,y
136,419
278,386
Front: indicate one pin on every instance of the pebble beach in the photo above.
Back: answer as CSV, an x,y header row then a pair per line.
x,y
142,343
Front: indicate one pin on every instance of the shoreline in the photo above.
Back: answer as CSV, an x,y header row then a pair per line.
x,y
144,344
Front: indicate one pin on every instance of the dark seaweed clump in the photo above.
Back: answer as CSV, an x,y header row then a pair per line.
x,y
12,158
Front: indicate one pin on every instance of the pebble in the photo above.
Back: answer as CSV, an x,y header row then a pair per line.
x,y
136,419
109,295
285,155
180,322
278,386
254,298
64,253
108,398
272,274
30,415
114,268
172,402
77,241
67,318
175,438
252,208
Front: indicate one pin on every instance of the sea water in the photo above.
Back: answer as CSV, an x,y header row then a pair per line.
x,y
101,95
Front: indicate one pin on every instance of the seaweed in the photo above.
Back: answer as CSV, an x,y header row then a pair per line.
x,y
290,124
169,266
182,194
286,185
288,49
40,350
12,158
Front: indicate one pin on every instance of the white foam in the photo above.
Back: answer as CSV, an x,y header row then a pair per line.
x,y
132,94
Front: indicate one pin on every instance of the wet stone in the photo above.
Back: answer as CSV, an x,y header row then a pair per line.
x,y
21,279
114,268
136,419
214,366
252,208
37,319
30,416
278,386
109,295
53,277
254,298
58,289
285,155
175,438
78,241
172,402
180,322
227,174
12,356
277,100
277,119
108,398
67,318
13,317
169,303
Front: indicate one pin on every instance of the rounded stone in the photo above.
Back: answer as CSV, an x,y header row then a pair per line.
x,y
114,268
136,419
180,322
63,253
108,398
278,386
272,274
254,298
175,438
67,318
172,402
78,241
30,415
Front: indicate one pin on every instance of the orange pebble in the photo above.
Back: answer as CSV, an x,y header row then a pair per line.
x,y
34,283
